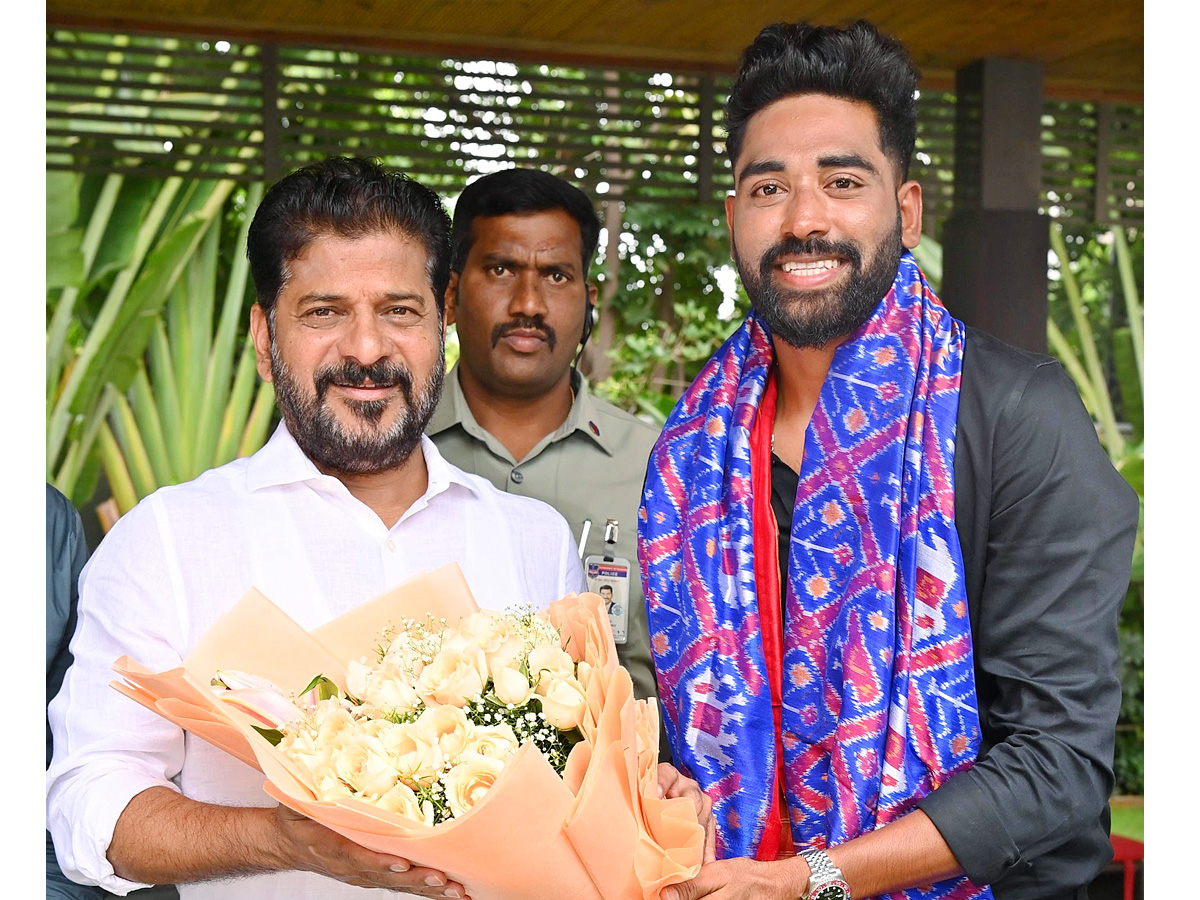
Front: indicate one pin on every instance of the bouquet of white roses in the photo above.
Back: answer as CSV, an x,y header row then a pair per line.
x,y
427,722
487,745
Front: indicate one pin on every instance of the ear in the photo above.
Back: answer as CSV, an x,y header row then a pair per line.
x,y
729,204
911,208
449,297
262,341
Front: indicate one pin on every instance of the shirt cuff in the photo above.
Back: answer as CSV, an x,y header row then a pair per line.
x,y
973,828
83,834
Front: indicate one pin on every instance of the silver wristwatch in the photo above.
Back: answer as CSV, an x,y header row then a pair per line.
x,y
826,881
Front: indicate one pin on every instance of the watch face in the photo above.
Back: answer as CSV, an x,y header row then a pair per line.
x,y
834,890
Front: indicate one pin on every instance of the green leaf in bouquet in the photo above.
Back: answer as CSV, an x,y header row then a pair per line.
x,y
325,688
273,735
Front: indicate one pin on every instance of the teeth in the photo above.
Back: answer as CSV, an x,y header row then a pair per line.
x,y
818,265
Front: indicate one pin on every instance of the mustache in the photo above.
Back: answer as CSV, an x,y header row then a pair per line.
x,y
524,323
812,247
350,374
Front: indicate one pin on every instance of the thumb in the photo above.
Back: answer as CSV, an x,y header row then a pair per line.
x,y
684,891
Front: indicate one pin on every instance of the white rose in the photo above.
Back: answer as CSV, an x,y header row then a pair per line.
x,y
390,690
511,686
548,663
415,754
454,677
467,782
328,785
447,727
357,675
302,747
496,741
563,703
403,801
330,720
503,642
476,625
365,764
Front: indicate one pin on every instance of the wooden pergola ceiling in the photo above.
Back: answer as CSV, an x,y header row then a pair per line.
x,y
1090,50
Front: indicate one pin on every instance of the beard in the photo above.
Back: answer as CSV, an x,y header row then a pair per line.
x,y
367,451
814,318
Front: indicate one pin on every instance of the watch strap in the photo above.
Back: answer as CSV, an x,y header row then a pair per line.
x,y
824,871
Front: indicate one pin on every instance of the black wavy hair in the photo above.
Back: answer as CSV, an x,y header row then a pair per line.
x,y
852,63
521,191
350,197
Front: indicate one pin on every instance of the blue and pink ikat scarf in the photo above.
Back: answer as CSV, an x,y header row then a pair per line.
x,y
877,688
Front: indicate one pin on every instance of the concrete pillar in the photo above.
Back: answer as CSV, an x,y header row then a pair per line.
x,y
995,242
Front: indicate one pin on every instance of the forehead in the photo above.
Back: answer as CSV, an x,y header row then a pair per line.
x,y
552,231
810,126
386,258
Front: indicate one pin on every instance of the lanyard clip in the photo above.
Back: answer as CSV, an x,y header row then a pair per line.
x,y
610,539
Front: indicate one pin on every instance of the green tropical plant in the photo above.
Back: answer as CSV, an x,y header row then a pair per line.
x,y
116,248
193,403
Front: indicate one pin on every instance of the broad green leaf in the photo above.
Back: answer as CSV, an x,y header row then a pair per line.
x,y
166,398
150,426
136,461
64,258
122,345
87,370
255,434
125,217
237,406
62,200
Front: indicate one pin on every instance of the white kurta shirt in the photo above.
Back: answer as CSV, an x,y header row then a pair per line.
x,y
179,560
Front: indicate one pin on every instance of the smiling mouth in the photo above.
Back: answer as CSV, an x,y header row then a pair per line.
x,y
811,267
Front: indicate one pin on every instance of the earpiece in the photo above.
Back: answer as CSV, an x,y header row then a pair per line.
x,y
589,320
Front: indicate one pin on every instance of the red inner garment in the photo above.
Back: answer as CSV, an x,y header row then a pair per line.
x,y
777,834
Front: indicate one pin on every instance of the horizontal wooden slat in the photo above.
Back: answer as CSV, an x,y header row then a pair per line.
x,y
334,99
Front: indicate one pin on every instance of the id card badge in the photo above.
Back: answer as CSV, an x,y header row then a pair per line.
x,y
610,579
608,576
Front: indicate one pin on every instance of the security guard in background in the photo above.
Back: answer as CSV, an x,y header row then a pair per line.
x,y
515,410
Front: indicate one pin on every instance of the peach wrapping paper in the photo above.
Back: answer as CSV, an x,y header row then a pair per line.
x,y
600,832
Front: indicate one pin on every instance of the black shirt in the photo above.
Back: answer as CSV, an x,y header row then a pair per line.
x,y
1046,527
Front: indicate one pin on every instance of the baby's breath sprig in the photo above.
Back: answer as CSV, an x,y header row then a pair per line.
x,y
435,795
528,724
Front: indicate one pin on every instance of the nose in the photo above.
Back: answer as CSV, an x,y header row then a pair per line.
x,y
364,340
807,212
528,298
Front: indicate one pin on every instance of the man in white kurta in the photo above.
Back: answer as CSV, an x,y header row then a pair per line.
x,y
327,515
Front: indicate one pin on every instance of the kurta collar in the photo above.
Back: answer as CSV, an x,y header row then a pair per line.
x,y
282,462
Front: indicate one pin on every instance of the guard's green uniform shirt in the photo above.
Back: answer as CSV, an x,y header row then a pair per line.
x,y
591,467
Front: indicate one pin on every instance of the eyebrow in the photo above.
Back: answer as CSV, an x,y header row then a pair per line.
x,y
567,266
761,167
840,160
847,161
393,296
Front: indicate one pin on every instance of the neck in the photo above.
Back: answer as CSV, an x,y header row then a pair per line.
x,y
800,373
519,423
389,494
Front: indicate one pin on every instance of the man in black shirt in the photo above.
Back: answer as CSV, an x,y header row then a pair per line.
x,y
821,127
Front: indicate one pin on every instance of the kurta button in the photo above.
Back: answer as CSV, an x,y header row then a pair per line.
x,y
391,545
516,476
